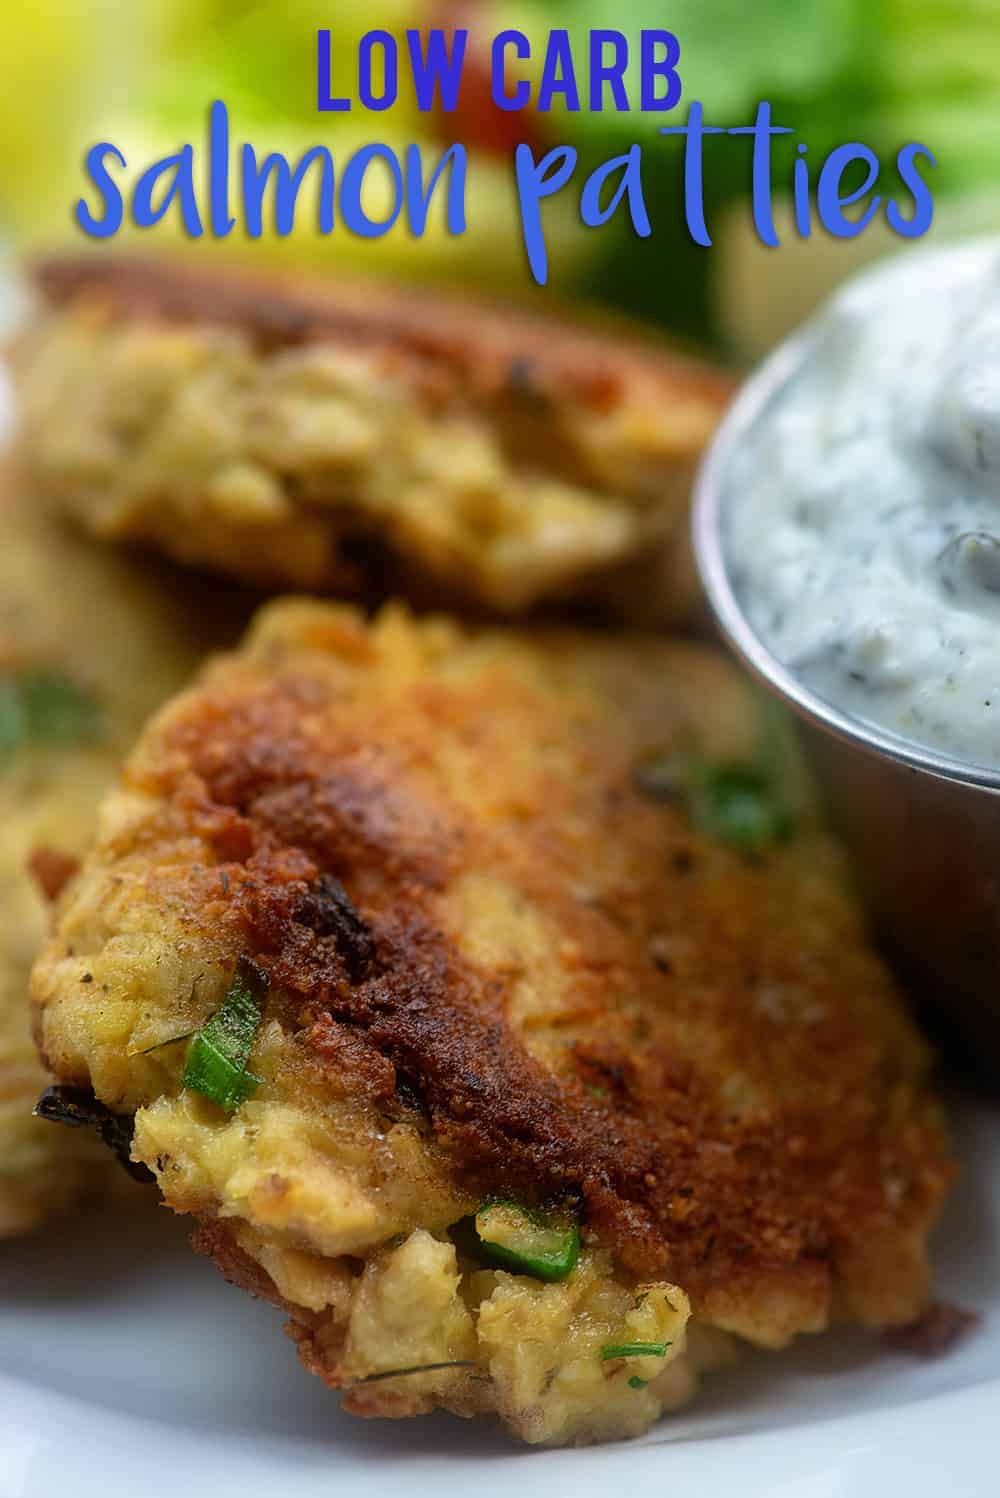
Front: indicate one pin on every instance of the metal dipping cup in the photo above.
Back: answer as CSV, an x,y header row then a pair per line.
x,y
923,830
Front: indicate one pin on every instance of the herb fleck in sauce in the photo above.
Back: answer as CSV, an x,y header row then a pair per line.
x,y
863,527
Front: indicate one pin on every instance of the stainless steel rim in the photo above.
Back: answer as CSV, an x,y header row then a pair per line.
x,y
709,548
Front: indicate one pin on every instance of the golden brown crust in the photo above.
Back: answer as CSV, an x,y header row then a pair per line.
x,y
215,1239
663,1142
580,995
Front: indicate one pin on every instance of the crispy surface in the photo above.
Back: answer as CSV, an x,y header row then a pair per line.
x,y
542,985
124,640
344,436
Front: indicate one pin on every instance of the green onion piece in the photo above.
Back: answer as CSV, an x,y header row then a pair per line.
x,y
159,1044
635,1382
374,1378
738,804
44,707
13,721
633,1350
207,1071
525,1242
218,1054
57,711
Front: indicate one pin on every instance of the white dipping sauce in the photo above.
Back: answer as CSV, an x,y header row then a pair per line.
x,y
863,511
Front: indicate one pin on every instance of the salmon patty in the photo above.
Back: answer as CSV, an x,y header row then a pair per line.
x,y
496,1003
88,648
351,438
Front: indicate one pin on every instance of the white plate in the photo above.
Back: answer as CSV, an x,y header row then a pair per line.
x,y
128,1369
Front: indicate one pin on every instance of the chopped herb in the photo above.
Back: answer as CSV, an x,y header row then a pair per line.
x,y
44,707
634,1350
13,720
218,1054
635,1382
58,711
159,1044
525,1242
373,1378
739,804
737,801
79,1109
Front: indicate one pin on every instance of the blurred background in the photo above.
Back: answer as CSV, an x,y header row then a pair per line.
x,y
884,72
